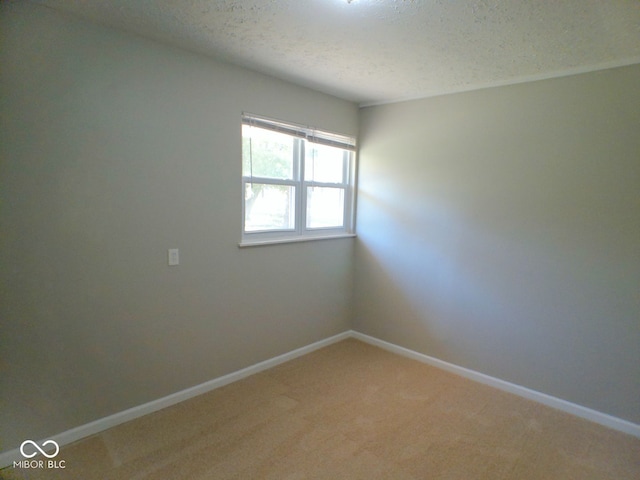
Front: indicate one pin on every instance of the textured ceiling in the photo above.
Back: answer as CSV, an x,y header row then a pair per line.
x,y
375,51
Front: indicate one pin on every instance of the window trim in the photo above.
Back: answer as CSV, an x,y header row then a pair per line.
x,y
301,232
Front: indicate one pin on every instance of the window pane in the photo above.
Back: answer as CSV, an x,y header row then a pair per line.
x,y
266,153
323,164
325,207
269,207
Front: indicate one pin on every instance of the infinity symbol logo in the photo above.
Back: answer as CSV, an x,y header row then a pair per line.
x,y
37,447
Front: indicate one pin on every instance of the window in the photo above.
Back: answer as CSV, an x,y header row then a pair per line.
x,y
297,182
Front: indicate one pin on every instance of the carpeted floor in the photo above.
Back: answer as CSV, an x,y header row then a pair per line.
x,y
352,411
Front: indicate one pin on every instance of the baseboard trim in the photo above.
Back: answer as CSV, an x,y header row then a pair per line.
x,y
7,458
65,438
554,402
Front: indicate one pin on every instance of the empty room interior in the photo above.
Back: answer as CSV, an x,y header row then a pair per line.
x,y
320,239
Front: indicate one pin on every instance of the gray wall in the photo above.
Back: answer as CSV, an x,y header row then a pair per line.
x,y
500,230
115,149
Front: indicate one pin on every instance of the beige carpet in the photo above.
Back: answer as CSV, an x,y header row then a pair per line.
x,y
352,411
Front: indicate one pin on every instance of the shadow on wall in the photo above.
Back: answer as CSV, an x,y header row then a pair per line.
x,y
413,285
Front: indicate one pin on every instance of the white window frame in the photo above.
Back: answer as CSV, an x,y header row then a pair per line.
x,y
301,232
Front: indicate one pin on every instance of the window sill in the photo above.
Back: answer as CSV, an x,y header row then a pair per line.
x,y
261,243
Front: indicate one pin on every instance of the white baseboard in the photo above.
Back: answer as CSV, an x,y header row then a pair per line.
x,y
554,402
7,458
65,438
